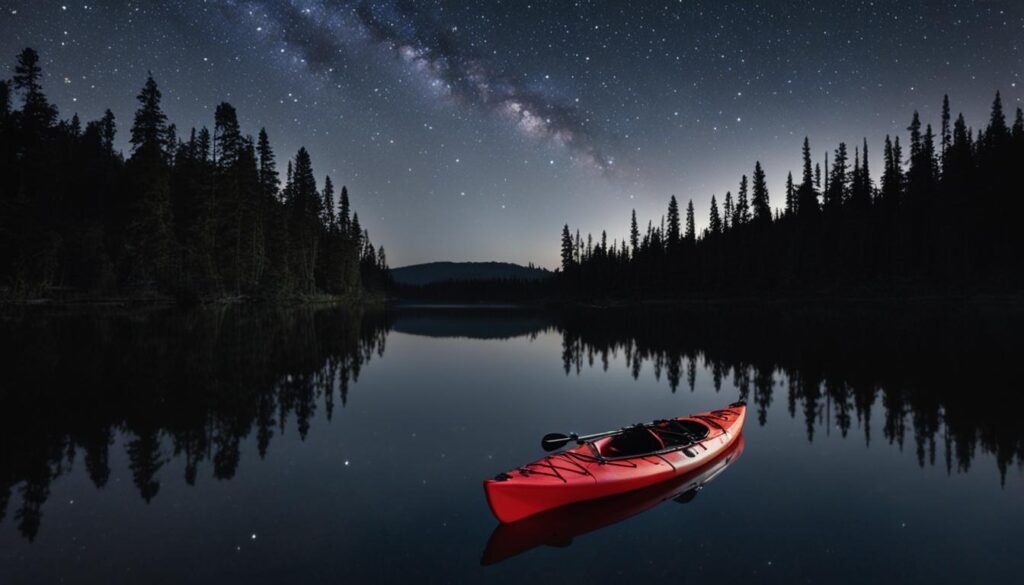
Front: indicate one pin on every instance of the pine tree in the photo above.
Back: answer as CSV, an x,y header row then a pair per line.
x,y
761,205
822,184
567,249
150,127
837,181
807,195
860,187
673,223
947,136
791,193
807,176
691,228
270,181
305,202
915,137
865,169
108,131
344,210
741,214
959,158
237,194
327,207
204,144
356,232
37,112
149,247
728,210
634,235
714,220
997,131
928,155
75,126
227,136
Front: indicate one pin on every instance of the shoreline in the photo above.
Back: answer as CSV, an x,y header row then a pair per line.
x,y
977,300
150,302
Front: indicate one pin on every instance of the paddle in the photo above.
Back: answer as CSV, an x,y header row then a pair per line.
x,y
552,441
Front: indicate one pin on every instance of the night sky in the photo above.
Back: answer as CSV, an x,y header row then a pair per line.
x,y
472,130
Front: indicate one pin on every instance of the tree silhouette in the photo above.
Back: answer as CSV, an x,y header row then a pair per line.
x,y
760,203
673,224
714,219
807,195
195,218
728,209
790,194
149,243
691,226
37,113
741,214
932,226
634,235
567,248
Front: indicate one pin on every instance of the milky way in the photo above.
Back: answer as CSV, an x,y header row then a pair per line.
x,y
319,31
474,130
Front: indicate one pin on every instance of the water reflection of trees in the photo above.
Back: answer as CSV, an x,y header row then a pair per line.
x,y
942,374
169,386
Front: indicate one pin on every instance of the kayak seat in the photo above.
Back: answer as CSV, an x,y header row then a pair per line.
x,y
681,432
632,441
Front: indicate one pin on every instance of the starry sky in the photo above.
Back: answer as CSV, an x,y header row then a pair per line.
x,y
472,130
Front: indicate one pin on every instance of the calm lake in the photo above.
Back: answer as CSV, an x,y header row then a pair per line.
x,y
309,445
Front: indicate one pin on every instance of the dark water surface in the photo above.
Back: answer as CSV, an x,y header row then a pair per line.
x,y
311,445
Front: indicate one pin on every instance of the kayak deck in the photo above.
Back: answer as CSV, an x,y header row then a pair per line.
x,y
632,458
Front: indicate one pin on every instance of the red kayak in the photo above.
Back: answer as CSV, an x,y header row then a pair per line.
x,y
560,526
616,462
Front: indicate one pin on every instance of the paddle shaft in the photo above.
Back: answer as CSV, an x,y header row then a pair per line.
x,y
553,441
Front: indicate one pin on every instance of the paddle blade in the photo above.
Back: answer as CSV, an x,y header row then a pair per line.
x,y
552,441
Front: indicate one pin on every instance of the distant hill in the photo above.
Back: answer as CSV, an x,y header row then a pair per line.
x,y
435,272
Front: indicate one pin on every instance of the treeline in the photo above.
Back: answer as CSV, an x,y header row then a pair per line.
x,y
199,217
945,219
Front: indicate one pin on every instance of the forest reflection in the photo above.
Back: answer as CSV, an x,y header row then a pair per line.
x,y
189,386
938,372
194,386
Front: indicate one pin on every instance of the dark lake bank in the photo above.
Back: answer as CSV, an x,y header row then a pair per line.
x,y
318,442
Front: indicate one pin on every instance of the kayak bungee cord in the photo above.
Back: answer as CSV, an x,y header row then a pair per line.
x,y
569,457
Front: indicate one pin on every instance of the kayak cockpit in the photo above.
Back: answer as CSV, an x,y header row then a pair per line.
x,y
680,432
640,440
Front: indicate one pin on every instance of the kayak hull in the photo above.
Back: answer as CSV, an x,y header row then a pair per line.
x,y
583,473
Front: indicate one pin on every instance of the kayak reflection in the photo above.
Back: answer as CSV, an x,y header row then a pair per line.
x,y
560,526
